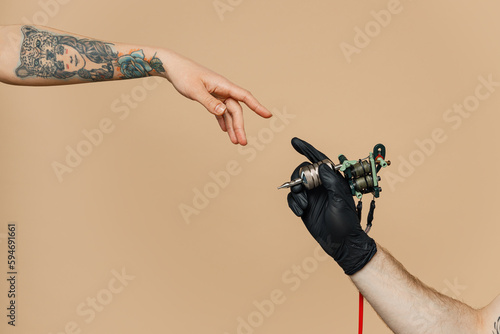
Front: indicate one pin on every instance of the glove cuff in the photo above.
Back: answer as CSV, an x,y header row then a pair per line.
x,y
353,255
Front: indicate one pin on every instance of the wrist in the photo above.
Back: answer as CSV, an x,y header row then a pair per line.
x,y
355,252
156,58
172,62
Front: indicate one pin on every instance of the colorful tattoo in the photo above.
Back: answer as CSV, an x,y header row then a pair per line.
x,y
135,66
47,55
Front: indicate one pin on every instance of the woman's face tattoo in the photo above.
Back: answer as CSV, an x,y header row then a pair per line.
x,y
68,58
46,55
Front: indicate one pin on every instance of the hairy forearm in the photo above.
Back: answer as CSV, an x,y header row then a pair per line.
x,y
35,55
407,305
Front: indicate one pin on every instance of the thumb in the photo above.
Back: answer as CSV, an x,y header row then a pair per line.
x,y
212,104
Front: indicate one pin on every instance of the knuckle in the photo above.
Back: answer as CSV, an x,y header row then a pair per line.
x,y
248,94
210,101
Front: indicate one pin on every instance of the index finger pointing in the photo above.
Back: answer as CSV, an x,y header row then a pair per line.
x,y
307,150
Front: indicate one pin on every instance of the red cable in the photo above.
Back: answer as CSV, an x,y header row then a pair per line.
x,y
360,325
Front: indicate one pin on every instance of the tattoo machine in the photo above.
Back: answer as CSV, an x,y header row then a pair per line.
x,y
361,174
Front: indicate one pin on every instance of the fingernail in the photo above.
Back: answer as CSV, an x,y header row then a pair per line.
x,y
220,109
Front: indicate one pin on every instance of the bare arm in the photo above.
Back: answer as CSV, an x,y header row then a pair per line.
x,y
40,56
409,306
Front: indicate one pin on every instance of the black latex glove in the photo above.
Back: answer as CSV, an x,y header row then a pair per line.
x,y
329,214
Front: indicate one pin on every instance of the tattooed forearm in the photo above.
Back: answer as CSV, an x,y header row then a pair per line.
x,y
48,55
496,327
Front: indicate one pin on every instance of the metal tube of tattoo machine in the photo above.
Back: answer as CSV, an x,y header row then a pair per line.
x,y
309,175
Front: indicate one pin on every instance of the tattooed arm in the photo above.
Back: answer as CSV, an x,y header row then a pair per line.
x,y
39,56
409,306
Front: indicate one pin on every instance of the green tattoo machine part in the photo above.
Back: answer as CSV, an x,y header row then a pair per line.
x,y
361,174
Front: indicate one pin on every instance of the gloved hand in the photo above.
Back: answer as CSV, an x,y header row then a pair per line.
x,y
330,215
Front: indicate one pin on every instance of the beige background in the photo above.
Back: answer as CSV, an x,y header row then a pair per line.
x,y
120,207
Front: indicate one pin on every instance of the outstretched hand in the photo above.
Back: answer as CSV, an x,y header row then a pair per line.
x,y
217,94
